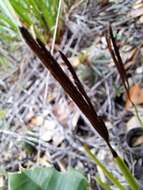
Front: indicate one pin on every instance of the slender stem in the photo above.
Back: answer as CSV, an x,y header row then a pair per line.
x,y
52,48
137,114
56,27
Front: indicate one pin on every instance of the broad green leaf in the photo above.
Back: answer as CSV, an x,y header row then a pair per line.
x,y
47,179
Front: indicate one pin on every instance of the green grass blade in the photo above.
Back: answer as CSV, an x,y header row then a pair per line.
x,y
112,178
5,9
22,11
46,13
39,34
6,34
104,185
127,174
7,15
5,37
7,22
36,12
49,12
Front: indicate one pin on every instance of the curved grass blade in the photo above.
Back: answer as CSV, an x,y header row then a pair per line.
x,y
127,174
48,13
104,185
6,10
8,23
112,178
38,14
22,11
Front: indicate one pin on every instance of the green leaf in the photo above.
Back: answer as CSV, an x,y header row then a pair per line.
x,y
22,11
110,176
35,12
104,185
47,179
4,8
49,11
8,22
127,174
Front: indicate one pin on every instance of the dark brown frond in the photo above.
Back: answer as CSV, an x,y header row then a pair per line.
x,y
114,50
75,91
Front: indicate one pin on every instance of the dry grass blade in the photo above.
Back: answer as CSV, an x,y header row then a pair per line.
x,y
51,64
